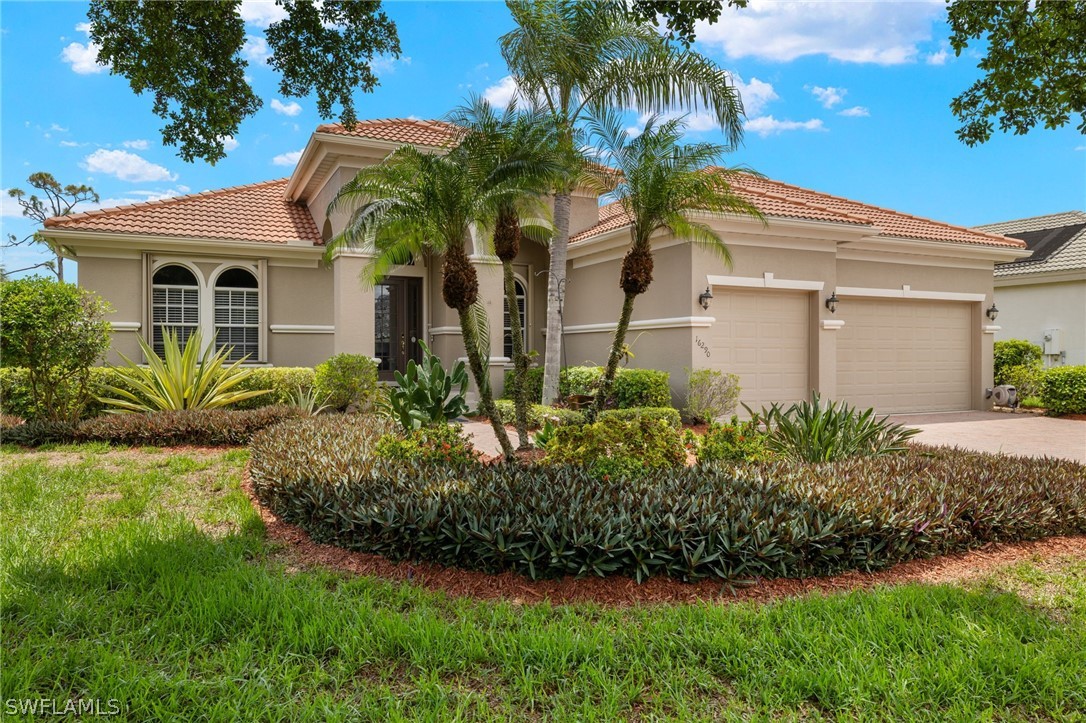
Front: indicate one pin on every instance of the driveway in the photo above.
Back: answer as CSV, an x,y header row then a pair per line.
x,y
1027,435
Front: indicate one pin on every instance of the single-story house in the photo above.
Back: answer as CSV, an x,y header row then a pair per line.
x,y
909,331
1042,297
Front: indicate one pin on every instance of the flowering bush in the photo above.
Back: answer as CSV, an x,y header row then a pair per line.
x,y
733,442
438,444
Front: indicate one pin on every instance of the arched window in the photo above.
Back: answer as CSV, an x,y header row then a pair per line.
x,y
522,307
175,304
237,314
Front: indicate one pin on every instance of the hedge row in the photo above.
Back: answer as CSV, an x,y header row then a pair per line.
x,y
732,523
1063,390
210,427
632,387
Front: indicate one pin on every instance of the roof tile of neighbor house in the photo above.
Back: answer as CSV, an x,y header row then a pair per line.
x,y
1058,242
433,133
776,199
255,212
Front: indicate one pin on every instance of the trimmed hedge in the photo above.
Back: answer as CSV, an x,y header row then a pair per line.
x,y
618,448
1063,390
661,414
732,523
207,427
537,414
632,387
15,391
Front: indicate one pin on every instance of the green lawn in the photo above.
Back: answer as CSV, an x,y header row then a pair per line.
x,y
144,576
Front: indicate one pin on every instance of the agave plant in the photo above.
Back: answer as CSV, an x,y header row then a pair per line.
x,y
817,431
191,378
427,394
309,400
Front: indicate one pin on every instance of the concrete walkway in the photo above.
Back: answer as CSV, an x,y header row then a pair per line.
x,y
1022,434
484,439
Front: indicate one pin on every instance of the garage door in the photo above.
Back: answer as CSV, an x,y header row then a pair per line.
x,y
905,356
763,336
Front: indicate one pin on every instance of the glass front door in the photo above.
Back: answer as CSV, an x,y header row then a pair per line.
x,y
397,317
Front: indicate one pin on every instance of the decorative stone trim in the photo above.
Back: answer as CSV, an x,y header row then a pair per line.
x,y
125,325
301,329
766,281
990,328
677,322
907,292
832,324
442,330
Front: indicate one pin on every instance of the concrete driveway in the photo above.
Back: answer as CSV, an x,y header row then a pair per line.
x,y
1026,435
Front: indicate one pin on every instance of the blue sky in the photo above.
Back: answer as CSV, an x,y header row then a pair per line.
x,y
849,98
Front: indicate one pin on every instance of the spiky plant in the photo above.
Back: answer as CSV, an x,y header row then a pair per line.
x,y
661,184
191,378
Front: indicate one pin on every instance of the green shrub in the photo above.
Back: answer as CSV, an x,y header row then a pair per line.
x,y
670,415
1031,403
710,395
434,444
733,442
579,380
204,427
426,394
818,431
282,383
632,387
611,449
55,331
1014,353
1027,380
732,523
539,414
348,382
1063,390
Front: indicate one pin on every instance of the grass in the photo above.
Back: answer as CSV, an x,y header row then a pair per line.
x,y
144,577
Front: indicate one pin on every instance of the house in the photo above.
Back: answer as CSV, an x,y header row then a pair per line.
x,y
907,331
1042,297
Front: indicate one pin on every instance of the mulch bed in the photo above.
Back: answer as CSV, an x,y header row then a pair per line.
x,y
622,591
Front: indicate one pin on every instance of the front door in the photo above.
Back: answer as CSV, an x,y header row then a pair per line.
x,y
397,317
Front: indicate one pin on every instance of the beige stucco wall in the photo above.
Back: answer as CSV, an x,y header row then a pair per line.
x,y
120,282
1026,311
299,297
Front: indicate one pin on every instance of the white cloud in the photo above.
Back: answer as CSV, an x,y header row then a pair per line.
x,y
856,111
1080,148
768,125
83,58
938,58
886,33
9,207
126,166
229,144
138,145
287,159
70,144
291,109
262,13
56,127
256,49
386,64
755,94
499,94
828,97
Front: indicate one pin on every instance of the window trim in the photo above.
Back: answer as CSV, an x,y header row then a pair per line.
x,y
214,287
518,279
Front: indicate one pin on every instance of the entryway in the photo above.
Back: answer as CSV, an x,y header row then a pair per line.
x,y
397,324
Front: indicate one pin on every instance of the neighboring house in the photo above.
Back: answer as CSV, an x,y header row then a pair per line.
x,y
1042,297
910,332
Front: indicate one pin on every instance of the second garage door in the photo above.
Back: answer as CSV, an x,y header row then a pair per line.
x,y
763,337
901,355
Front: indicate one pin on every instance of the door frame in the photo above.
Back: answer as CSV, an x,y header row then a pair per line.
x,y
405,332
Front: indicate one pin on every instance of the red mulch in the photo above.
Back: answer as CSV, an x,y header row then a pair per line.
x,y
622,591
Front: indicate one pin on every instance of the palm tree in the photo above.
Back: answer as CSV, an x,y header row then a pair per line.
x,y
416,202
573,57
517,147
660,184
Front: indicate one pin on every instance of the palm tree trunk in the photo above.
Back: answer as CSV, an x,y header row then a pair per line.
x,y
608,379
552,358
520,359
486,399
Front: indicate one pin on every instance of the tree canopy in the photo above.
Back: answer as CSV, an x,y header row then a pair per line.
x,y
189,57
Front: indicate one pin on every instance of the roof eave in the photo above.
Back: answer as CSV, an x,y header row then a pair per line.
x,y
76,239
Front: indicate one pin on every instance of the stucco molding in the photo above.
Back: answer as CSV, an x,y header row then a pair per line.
x,y
125,325
907,292
991,328
765,281
676,322
445,330
832,324
95,240
893,245
302,329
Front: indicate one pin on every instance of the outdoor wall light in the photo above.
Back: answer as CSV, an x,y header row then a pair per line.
x,y
992,312
831,303
706,297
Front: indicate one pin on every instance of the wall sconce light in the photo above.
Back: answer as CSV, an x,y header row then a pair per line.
x,y
992,312
831,303
705,298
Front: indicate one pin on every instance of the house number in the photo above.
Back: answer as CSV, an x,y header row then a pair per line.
x,y
703,345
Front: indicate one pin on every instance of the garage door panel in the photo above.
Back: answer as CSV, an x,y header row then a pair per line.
x,y
763,337
904,355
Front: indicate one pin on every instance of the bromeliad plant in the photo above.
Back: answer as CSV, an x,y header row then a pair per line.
x,y
191,378
818,431
428,395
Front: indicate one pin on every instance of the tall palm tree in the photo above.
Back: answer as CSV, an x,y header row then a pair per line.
x,y
661,184
415,202
576,56
517,147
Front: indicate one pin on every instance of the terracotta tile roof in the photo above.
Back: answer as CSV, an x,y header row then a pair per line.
x,y
433,133
255,212
1064,249
782,200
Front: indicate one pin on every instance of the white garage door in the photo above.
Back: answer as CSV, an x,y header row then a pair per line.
x,y
763,336
905,356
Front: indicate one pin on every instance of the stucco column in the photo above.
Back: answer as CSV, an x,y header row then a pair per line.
x,y
492,294
984,355
353,308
